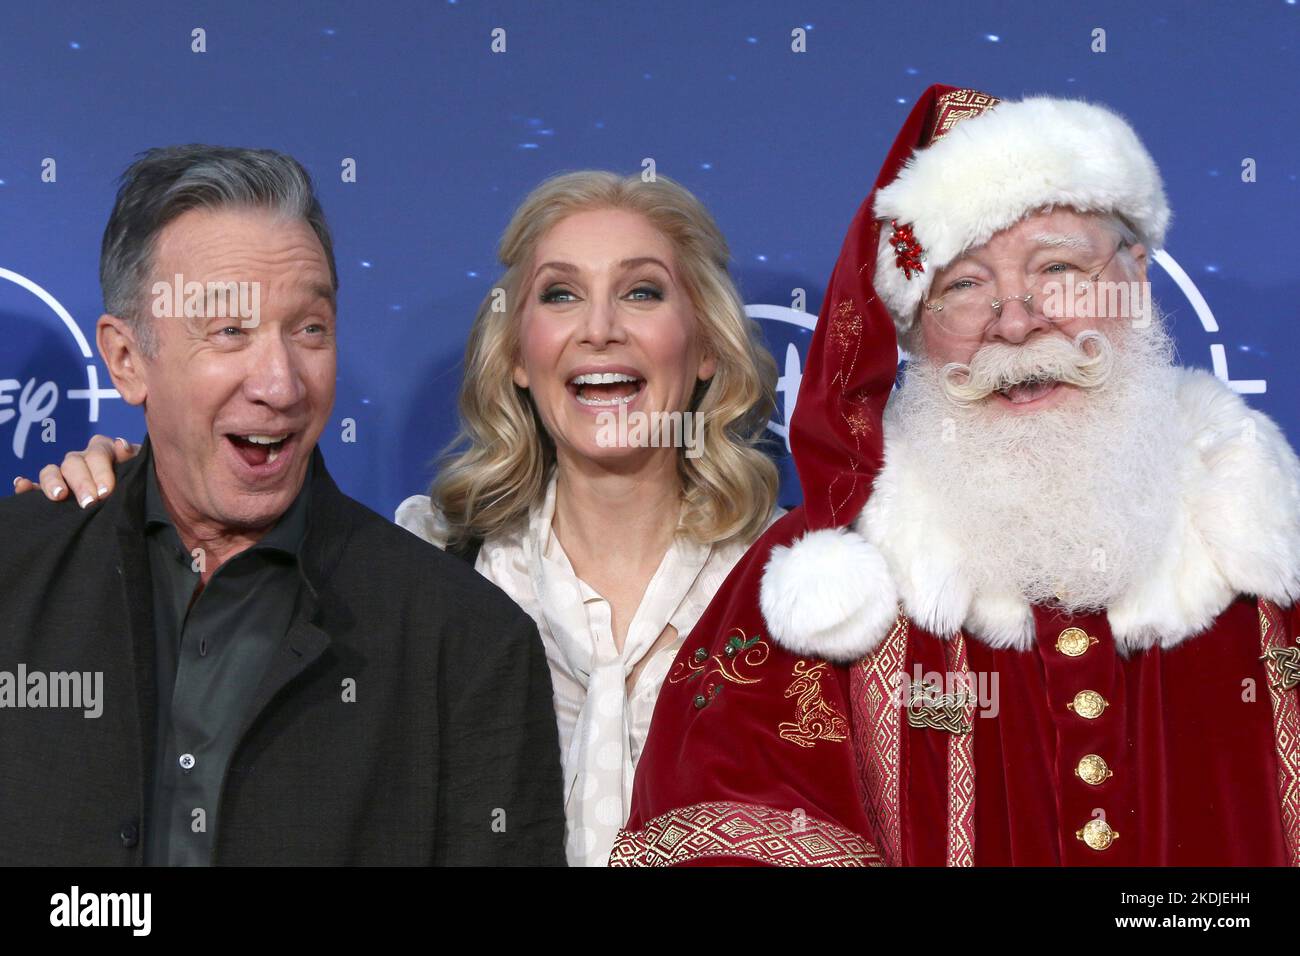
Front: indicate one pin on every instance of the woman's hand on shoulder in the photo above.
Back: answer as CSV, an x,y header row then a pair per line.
x,y
86,474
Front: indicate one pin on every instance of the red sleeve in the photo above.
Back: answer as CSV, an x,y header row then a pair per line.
x,y
750,758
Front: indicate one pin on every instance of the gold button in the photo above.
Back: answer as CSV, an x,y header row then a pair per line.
x,y
1097,834
1087,704
1092,770
1074,642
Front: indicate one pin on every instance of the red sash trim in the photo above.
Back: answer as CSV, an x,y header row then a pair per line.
x,y
961,766
878,719
1286,726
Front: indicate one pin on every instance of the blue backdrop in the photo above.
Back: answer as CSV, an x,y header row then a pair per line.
x,y
448,136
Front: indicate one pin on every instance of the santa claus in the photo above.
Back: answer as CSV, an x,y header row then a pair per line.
x,y
1038,608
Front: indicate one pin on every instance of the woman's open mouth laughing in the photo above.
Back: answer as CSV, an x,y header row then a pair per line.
x,y
606,389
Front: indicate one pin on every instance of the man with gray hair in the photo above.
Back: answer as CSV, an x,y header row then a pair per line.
x,y
286,677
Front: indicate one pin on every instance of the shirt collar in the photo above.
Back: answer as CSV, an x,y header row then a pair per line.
x,y
286,536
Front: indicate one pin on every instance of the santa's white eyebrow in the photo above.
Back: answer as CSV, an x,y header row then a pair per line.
x,y
1060,240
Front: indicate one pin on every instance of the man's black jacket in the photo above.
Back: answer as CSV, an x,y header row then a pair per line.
x,y
447,755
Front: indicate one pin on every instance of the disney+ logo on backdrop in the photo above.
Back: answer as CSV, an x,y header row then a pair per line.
x,y
47,364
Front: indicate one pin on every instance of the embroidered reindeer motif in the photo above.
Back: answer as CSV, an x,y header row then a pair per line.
x,y
814,718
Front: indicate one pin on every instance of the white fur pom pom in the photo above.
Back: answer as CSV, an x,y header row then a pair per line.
x,y
829,595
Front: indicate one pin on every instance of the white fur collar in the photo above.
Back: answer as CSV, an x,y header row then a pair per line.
x,y
1237,531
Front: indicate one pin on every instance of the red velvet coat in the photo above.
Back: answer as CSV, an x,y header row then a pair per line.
x,y
760,755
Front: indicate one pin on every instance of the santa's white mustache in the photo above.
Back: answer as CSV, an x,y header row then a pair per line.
x,y
1087,362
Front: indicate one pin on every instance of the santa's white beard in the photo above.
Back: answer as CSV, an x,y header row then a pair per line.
x,y
1068,505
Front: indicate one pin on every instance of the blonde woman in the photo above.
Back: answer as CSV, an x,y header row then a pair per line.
x,y
616,304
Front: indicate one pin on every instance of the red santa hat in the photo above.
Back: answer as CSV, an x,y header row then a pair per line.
x,y
989,164
964,166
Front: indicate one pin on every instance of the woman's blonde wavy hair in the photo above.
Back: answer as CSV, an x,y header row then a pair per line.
x,y
499,464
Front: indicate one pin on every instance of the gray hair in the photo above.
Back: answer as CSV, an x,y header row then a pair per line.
x,y
165,182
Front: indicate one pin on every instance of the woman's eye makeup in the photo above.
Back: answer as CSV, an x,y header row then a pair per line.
x,y
646,291
641,292
557,293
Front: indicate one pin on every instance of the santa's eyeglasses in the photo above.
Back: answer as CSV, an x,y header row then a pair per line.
x,y
1055,293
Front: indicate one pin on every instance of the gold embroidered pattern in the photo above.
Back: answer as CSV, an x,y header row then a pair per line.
x,y
928,710
951,108
961,763
758,833
859,423
846,325
739,651
845,335
1286,667
1286,727
814,718
876,732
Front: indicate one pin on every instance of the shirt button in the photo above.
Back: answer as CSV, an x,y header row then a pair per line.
x,y
1097,834
1087,704
1092,770
187,762
1074,642
130,834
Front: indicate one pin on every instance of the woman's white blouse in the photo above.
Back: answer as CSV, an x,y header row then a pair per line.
x,y
602,727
